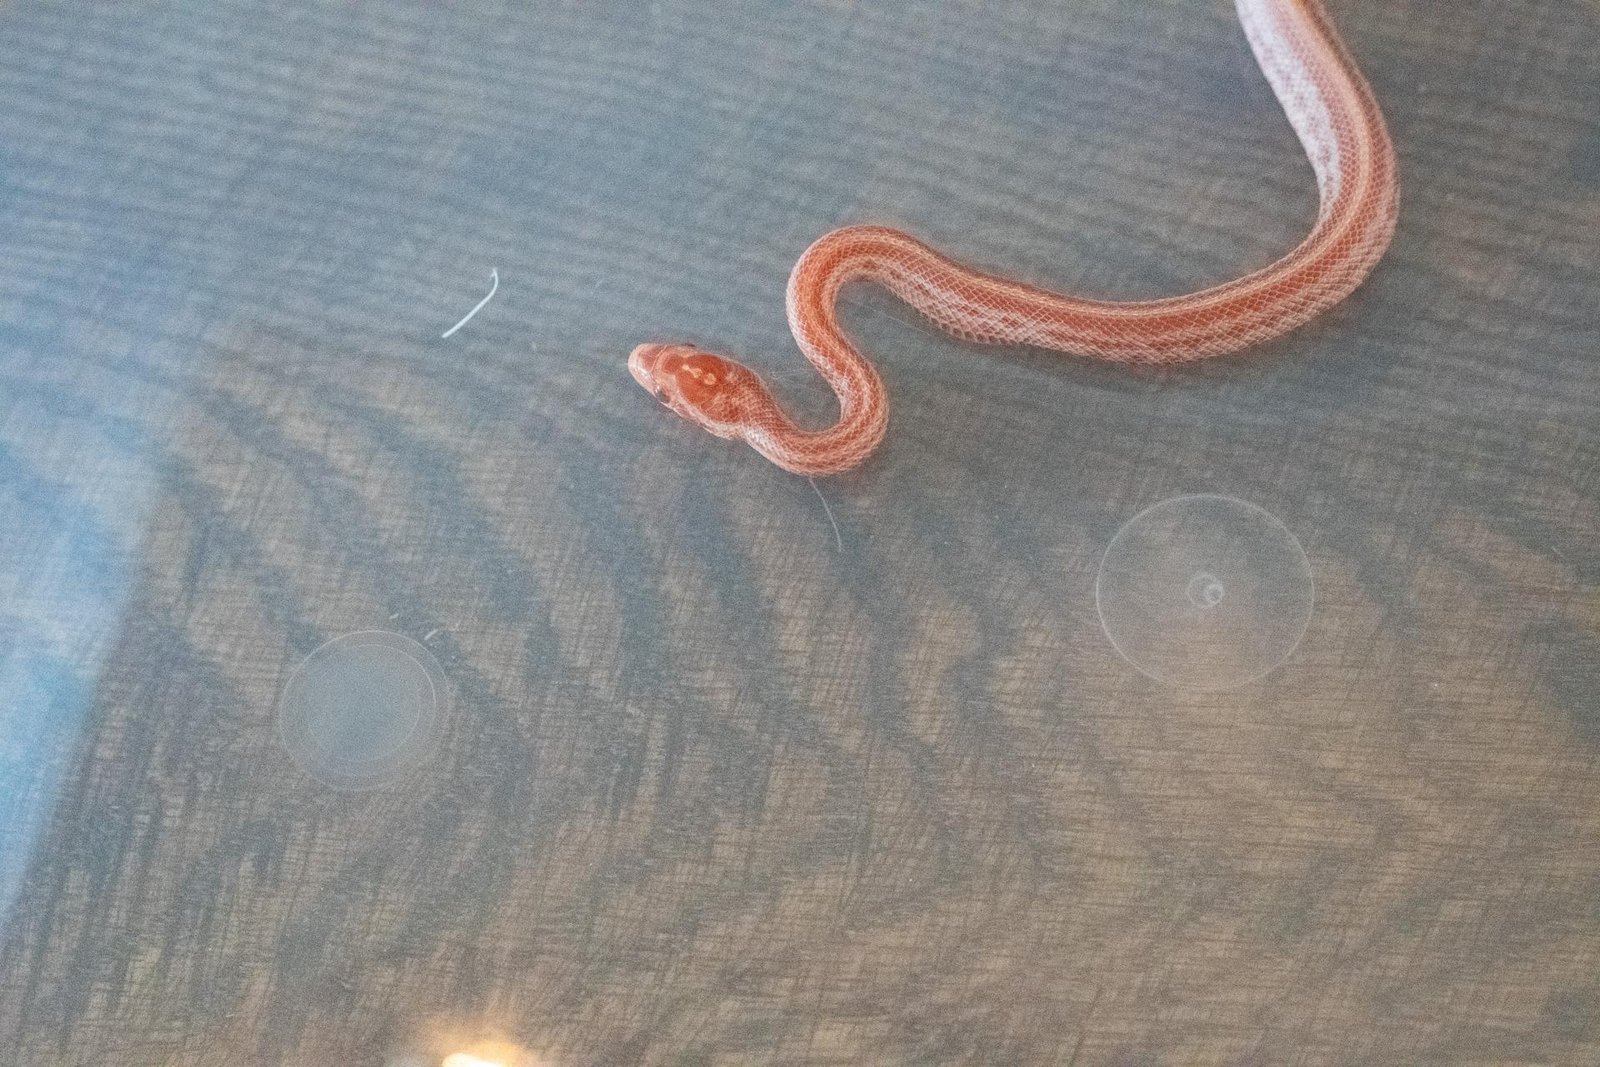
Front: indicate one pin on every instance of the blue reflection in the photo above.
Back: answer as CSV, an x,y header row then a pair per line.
x,y
71,516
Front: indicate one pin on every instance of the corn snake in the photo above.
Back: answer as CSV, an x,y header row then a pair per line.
x,y
1331,108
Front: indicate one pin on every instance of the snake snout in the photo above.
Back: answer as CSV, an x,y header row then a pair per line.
x,y
642,363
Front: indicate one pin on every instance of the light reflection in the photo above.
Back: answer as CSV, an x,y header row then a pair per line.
x,y
467,1059
491,1054
75,496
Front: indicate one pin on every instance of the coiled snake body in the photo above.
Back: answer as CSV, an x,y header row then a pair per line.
x,y
1331,108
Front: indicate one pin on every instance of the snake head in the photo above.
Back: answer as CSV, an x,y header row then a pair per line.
x,y
704,388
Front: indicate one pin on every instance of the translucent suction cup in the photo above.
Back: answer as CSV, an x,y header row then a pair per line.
x,y
1204,592
363,709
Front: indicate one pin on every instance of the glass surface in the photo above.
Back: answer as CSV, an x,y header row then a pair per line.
x,y
669,761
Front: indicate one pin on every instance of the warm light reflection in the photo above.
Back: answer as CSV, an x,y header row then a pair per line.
x,y
490,1054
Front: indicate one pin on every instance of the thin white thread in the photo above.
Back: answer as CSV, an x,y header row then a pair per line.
x,y
494,278
432,633
837,539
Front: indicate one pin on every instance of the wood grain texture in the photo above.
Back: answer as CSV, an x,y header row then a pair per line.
x,y
714,792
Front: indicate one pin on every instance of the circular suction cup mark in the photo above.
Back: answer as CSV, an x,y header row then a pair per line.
x,y
363,709
1204,592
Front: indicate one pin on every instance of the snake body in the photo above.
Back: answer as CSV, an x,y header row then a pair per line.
x,y
1332,109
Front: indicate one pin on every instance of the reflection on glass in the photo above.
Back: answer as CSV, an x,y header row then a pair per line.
x,y
493,1054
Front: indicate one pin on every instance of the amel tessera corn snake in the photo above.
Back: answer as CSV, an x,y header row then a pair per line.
x,y
1332,109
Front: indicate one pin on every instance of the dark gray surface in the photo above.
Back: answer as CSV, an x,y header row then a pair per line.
x,y
713,791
